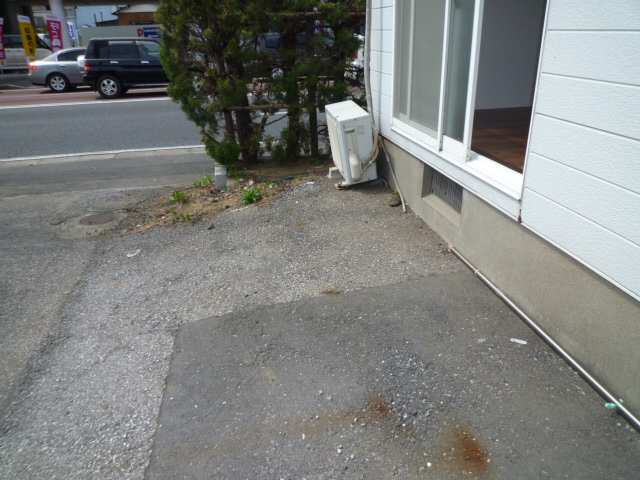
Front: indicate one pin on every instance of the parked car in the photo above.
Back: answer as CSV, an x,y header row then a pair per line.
x,y
16,55
114,65
58,71
269,44
81,65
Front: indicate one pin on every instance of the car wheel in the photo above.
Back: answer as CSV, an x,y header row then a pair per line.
x,y
58,82
109,87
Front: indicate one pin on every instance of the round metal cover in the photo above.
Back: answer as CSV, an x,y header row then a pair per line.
x,y
99,218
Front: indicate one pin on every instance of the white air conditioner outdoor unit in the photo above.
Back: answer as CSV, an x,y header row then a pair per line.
x,y
352,144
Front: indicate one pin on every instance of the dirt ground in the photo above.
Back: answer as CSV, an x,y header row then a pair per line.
x,y
202,200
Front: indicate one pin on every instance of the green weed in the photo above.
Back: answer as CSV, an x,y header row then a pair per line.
x,y
251,195
179,197
204,181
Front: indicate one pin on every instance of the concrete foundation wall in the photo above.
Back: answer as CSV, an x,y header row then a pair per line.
x,y
591,319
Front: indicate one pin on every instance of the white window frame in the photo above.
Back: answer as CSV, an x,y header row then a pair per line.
x,y
489,172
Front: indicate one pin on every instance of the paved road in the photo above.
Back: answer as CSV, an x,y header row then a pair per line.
x,y
141,122
100,172
44,96
35,124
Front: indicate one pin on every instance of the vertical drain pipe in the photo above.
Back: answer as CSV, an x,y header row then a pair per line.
x,y
552,343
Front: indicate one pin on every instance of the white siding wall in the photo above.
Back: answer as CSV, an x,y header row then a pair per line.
x,y
582,178
381,61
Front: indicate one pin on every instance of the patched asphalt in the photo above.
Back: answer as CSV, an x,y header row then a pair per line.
x,y
325,335
428,378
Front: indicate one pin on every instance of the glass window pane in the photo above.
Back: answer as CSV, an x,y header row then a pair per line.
x,y
419,63
458,63
123,51
149,50
428,40
405,31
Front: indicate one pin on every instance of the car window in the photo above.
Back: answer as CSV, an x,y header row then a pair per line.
x,y
70,56
51,58
40,43
123,51
99,49
149,50
272,41
13,41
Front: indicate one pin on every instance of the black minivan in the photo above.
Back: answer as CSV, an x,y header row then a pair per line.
x,y
114,65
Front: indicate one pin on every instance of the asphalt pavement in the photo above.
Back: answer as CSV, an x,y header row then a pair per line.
x,y
15,81
325,335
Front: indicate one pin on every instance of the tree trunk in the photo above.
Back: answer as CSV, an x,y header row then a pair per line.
x,y
229,126
312,89
288,44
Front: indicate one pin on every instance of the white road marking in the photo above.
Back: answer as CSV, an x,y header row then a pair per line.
x,y
110,152
93,102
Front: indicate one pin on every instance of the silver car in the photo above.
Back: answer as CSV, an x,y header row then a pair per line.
x,y
58,71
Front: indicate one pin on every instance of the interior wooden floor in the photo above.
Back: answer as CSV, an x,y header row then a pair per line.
x,y
501,134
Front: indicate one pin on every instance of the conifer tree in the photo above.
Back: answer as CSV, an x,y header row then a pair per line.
x,y
228,88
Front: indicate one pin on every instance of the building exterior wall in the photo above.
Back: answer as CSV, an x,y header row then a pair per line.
x,y
87,33
582,179
573,263
136,18
590,318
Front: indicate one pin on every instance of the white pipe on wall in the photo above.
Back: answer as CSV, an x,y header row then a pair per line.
x,y
635,422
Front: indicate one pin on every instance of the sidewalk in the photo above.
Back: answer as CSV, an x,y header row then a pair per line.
x,y
323,336
15,81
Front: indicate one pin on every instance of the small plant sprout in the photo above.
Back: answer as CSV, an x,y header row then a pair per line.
x,y
179,197
204,181
251,195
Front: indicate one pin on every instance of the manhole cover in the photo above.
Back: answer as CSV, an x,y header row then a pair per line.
x,y
99,218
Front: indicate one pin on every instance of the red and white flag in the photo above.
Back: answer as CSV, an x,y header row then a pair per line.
x,y
55,32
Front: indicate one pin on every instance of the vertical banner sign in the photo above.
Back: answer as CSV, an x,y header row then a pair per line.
x,y
73,33
28,35
2,54
55,32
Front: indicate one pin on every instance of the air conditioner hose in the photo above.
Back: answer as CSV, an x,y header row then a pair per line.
x,y
395,180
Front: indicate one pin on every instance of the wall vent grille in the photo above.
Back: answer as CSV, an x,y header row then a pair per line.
x,y
447,190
